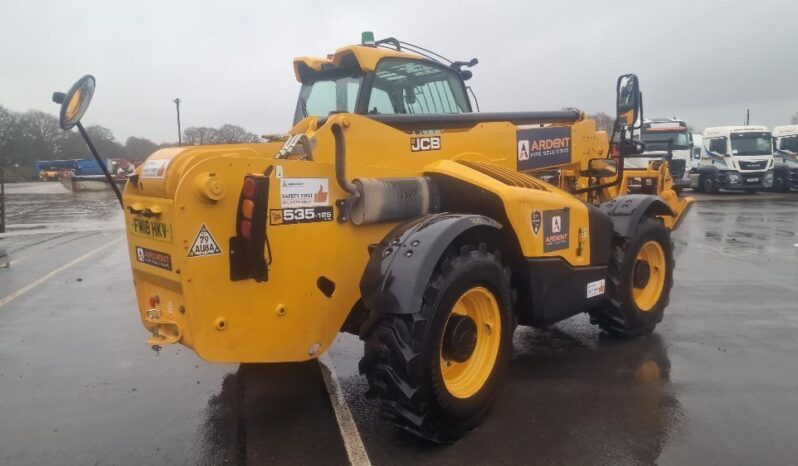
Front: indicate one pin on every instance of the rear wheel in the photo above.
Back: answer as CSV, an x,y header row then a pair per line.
x,y
640,280
781,183
709,184
436,372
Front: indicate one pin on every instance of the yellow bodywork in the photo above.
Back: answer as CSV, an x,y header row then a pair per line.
x,y
182,195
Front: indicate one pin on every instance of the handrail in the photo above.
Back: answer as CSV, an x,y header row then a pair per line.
x,y
466,120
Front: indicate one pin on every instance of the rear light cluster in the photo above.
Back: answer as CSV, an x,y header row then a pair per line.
x,y
248,247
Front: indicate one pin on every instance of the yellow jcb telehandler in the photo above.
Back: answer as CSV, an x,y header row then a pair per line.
x,y
393,211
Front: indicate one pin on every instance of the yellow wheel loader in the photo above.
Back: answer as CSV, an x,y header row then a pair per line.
x,y
393,211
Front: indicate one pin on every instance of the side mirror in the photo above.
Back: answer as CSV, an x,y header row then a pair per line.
x,y
628,102
602,168
696,153
75,102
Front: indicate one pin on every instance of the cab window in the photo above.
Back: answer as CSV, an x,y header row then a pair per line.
x,y
334,91
416,87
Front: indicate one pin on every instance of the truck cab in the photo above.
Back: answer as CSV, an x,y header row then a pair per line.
x,y
734,158
658,134
785,151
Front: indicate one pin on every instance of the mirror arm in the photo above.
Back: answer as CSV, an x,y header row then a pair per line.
x,y
100,162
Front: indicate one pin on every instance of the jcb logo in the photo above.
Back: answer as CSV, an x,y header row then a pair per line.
x,y
425,143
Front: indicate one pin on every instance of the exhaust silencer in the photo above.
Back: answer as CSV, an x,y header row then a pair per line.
x,y
387,199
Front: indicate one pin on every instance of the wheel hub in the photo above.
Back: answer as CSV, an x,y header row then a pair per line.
x,y
641,275
459,338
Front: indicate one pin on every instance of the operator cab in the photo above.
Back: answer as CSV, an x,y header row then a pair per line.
x,y
386,77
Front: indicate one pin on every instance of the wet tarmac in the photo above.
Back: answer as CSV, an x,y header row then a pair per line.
x,y
716,384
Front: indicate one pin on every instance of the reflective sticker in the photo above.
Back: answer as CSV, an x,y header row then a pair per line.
x,y
304,192
595,288
204,244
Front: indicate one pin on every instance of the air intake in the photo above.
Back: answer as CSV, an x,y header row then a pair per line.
x,y
505,175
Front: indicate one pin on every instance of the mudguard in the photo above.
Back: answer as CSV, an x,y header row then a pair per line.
x,y
707,170
626,211
402,264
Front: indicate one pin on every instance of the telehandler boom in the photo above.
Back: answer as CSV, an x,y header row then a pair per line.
x,y
393,211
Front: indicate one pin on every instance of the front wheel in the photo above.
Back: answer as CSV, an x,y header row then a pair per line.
x,y
640,281
436,372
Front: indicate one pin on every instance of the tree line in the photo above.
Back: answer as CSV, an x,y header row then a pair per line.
x,y
26,137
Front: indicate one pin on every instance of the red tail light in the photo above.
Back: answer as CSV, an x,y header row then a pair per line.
x,y
250,245
246,229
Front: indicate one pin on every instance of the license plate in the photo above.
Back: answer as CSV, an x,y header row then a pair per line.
x,y
150,228
752,180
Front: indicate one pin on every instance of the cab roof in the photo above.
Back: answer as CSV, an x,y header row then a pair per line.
x,y
787,130
725,130
364,57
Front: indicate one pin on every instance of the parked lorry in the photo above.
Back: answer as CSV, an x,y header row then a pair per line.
x,y
661,135
734,158
785,146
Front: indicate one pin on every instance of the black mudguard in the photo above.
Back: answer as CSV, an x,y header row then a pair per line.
x,y
402,264
626,211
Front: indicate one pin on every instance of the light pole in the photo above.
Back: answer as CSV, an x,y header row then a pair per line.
x,y
179,133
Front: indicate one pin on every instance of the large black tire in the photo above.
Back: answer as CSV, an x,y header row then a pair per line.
x,y
619,314
781,183
708,184
402,354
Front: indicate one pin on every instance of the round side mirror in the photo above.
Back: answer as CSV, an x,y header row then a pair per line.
x,y
75,102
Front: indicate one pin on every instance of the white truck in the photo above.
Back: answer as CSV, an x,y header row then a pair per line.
x,y
785,146
735,158
657,134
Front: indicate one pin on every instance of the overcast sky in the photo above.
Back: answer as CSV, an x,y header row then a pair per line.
x,y
230,62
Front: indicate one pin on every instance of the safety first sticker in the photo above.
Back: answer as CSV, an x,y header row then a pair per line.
x,y
595,288
304,192
204,244
555,229
154,169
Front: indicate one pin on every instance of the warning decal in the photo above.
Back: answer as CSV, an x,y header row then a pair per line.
x,y
204,244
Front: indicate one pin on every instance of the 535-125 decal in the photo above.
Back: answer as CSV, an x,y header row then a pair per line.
x,y
300,215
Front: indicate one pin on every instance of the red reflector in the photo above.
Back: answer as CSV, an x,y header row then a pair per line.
x,y
249,188
154,300
246,229
247,207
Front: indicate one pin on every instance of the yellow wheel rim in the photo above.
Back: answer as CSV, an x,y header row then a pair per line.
x,y
647,293
464,379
